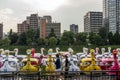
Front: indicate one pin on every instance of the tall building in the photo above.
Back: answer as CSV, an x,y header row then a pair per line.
x,y
1,30
111,15
48,19
56,27
93,21
43,24
43,28
23,27
74,28
34,21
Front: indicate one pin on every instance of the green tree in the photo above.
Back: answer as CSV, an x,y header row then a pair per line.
x,y
22,39
52,41
116,38
98,40
95,39
52,33
32,36
67,38
5,42
40,41
64,41
91,37
13,38
103,34
10,33
81,38
37,34
58,41
29,41
110,38
46,42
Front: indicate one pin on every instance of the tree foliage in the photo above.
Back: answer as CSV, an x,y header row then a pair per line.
x,y
116,38
103,33
52,41
81,38
32,36
110,38
22,39
52,33
40,41
13,37
95,39
67,38
5,42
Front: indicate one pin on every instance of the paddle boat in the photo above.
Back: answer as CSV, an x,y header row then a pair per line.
x,y
96,51
115,65
73,62
29,68
1,58
57,52
50,67
101,56
29,64
64,53
34,54
80,54
85,55
89,64
106,62
118,55
6,64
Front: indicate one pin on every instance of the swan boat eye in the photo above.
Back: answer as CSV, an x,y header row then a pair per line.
x,y
86,63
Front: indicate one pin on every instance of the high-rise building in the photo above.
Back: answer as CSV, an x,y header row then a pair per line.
x,y
43,28
23,27
34,21
48,19
111,15
43,24
1,30
93,21
56,27
74,28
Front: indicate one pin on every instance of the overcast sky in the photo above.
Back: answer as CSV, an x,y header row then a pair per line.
x,y
65,11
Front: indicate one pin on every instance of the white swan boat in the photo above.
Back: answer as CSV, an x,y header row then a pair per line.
x,y
7,68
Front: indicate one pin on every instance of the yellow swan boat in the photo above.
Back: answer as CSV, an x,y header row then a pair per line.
x,y
28,66
50,65
89,64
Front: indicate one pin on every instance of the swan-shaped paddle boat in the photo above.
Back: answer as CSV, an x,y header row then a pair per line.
x,y
73,65
101,56
29,64
89,64
85,55
115,66
37,55
96,51
81,53
107,62
118,55
73,62
64,53
1,58
6,65
50,67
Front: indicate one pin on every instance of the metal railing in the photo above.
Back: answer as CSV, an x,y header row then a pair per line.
x,y
61,75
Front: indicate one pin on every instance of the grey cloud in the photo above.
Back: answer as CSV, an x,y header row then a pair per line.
x,y
69,13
